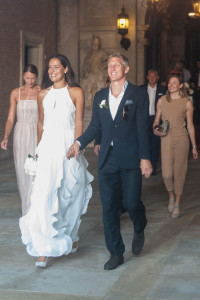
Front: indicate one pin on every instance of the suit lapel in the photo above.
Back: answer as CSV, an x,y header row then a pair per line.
x,y
106,97
156,96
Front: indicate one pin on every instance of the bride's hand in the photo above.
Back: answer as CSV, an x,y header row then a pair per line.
x,y
74,150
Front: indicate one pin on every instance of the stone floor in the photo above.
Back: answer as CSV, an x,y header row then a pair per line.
x,y
167,269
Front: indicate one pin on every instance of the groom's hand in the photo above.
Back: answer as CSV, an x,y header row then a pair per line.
x,y
74,150
146,167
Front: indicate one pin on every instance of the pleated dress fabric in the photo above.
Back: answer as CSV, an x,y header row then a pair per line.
x,y
61,190
24,143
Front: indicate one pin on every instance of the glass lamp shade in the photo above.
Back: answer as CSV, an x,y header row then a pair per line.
x,y
122,22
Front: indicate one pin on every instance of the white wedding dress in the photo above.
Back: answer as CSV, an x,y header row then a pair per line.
x,y
62,189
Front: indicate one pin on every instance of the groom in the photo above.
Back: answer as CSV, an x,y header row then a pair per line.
x,y
121,112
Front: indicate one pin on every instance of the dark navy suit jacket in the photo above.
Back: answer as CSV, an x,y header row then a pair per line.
x,y
130,137
160,91
194,78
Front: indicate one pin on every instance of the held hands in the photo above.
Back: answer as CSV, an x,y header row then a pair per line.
x,y
74,150
4,144
146,167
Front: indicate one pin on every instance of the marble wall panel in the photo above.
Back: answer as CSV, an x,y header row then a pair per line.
x,y
69,32
97,12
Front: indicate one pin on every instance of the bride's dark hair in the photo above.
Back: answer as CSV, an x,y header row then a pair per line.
x,y
69,76
46,82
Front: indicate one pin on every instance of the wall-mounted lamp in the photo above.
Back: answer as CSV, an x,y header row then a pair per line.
x,y
122,26
196,9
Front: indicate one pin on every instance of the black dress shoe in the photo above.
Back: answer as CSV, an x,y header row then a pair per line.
x,y
114,262
138,242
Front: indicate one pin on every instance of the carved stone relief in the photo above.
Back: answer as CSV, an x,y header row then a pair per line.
x,y
94,71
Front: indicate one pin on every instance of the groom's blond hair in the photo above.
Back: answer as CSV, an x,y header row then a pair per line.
x,y
123,58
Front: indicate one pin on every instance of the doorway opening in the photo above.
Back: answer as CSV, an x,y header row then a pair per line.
x,y
31,52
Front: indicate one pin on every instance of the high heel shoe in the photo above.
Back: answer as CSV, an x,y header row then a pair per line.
x,y
177,213
171,205
41,264
74,249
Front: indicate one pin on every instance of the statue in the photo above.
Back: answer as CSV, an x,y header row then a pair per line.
x,y
94,71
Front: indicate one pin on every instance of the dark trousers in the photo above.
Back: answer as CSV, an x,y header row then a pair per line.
x,y
116,185
154,144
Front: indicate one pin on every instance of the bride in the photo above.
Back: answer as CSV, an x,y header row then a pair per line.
x,y
61,189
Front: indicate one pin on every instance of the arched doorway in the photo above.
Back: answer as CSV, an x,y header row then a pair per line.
x,y
157,55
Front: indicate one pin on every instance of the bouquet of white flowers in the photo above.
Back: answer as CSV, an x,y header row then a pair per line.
x,y
30,165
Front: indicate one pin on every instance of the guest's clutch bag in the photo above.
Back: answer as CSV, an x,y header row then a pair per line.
x,y
163,127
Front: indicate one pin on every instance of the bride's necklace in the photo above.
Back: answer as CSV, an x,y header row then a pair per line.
x,y
56,97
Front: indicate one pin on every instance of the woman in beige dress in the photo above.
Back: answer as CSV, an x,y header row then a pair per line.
x,y
177,109
23,101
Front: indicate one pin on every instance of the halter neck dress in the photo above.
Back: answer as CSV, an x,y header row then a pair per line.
x,y
24,143
62,189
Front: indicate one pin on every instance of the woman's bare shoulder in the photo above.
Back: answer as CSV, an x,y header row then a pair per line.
x,y
14,95
42,93
38,88
75,91
161,98
15,91
189,103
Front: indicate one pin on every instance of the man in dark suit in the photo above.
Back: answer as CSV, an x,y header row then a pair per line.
x,y
195,84
155,91
121,113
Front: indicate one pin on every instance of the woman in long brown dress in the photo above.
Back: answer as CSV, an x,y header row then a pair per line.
x,y
178,110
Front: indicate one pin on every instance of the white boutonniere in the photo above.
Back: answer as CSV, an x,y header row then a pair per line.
x,y
103,104
30,165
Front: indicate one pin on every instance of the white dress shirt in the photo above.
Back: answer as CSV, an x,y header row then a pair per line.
x,y
115,102
152,98
186,75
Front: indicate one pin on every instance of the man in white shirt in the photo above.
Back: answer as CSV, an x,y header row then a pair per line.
x,y
155,91
121,113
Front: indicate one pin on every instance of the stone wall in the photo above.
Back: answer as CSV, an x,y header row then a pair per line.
x,y
67,27
35,17
79,20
